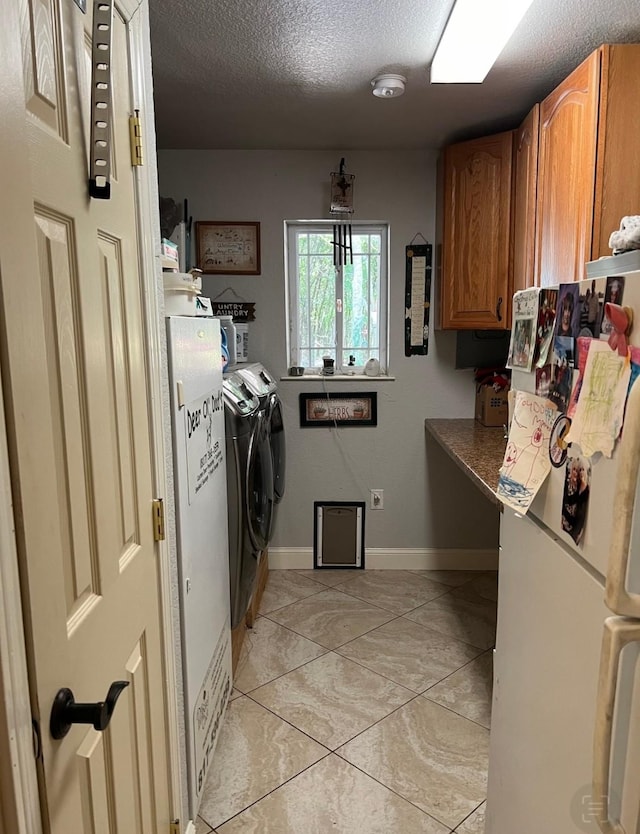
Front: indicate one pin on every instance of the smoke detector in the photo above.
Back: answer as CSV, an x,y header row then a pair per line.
x,y
388,86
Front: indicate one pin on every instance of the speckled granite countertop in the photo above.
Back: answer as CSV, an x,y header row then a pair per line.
x,y
476,449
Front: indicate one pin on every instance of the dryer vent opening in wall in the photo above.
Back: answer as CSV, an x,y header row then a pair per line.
x,y
338,534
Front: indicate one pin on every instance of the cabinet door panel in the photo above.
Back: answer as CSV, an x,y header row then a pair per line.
x,y
566,175
477,206
524,206
618,168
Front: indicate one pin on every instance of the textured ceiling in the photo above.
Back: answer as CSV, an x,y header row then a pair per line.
x,y
295,74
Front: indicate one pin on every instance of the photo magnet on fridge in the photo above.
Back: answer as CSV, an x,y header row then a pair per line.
x,y
591,302
612,295
568,312
575,499
546,322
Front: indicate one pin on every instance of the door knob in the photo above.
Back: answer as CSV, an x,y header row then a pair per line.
x,y
65,711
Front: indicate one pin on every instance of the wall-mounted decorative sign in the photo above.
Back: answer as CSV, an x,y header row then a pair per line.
x,y
417,298
342,191
240,310
226,248
327,410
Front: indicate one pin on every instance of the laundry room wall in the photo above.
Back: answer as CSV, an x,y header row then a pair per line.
x,y
429,506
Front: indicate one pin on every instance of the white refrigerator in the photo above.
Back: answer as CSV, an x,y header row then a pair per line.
x,y
565,734
197,415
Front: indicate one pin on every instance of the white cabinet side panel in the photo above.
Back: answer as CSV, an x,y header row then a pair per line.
x,y
550,619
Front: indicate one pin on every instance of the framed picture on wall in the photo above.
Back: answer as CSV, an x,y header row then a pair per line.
x,y
325,410
228,248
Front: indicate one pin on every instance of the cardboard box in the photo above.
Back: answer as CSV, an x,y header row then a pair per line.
x,y
492,407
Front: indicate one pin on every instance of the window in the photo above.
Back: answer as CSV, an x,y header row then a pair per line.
x,y
337,311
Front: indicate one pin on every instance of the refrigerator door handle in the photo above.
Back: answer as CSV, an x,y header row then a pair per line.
x,y
618,633
617,597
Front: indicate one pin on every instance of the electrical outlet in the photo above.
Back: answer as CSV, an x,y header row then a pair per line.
x,y
376,501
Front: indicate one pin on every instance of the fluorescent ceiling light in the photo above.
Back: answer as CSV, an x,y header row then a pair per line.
x,y
476,33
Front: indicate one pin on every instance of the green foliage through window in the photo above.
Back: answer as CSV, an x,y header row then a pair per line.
x,y
337,311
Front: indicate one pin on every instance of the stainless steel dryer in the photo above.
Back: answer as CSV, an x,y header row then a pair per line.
x,y
264,385
250,496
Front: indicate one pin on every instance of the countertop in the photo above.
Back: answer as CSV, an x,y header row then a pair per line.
x,y
478,450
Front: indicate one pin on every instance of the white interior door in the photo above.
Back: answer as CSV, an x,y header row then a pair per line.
x,y
74,369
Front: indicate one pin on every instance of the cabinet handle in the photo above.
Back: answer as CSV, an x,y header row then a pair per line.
x,y
498,306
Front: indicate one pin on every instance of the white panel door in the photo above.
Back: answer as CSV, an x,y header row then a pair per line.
x,y
74,367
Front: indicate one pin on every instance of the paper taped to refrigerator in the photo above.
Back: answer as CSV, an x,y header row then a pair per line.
x,y
600,409
526,461
523,333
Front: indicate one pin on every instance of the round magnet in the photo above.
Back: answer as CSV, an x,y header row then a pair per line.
x,y
557,444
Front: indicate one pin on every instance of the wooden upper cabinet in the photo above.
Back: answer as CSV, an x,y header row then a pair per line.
x,y
566,175
618,162
589,162
525,149
475,281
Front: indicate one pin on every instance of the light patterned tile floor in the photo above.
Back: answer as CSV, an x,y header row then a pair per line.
x,y
395,672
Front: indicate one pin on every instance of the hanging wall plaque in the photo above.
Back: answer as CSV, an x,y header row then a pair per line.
x,y
240,310
417,299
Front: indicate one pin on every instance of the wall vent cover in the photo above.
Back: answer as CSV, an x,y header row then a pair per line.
x,y
338,534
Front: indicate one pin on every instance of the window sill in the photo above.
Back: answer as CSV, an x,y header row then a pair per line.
x,y
311,377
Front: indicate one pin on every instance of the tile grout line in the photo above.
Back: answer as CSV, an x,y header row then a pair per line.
x,y
462,822
375,671
348,596
450,709
480,650
286,604
277,788
395,616
393,791
447,589
293,631
326,650
295,669
287,721
459,669
425,695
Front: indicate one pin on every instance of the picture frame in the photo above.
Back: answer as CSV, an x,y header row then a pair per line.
x,y
226,247
326,410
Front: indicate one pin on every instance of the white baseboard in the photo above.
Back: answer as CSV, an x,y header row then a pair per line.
x,y
395,558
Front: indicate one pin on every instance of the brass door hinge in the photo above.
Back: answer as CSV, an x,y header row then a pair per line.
x,y
158,519
135,137
174,827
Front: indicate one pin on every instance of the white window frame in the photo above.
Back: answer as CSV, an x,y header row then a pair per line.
x,y
291,227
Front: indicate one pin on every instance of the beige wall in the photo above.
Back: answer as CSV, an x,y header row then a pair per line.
x,y
427,502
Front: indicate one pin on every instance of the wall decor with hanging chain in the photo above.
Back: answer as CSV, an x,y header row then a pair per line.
x,y
241,310
342,208
417,298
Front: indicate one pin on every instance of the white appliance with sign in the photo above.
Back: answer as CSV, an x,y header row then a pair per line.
x,y
197,411
565,735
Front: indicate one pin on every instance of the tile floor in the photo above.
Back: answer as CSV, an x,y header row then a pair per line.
x,y
361,706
